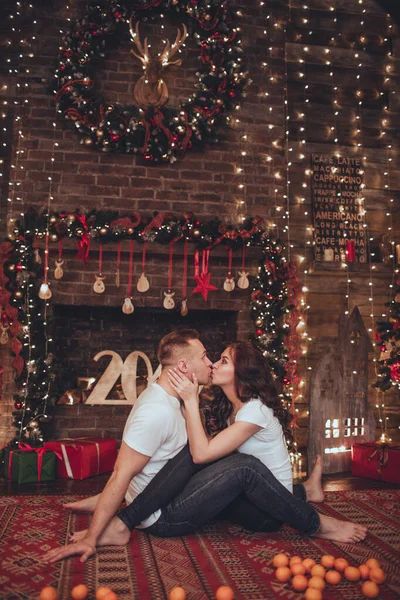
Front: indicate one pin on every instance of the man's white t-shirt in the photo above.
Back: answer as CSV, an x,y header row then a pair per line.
x,y
156,428
268,444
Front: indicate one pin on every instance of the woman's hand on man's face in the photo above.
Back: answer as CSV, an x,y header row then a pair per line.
x,y
187,390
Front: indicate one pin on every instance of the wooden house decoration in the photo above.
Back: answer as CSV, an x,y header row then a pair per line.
x,y
339,411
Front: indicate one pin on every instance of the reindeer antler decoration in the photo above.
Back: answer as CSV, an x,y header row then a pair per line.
x,y
150,90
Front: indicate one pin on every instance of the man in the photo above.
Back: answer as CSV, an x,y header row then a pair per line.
x,y
154,433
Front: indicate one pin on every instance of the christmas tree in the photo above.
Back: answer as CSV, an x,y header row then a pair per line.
x,y
388,340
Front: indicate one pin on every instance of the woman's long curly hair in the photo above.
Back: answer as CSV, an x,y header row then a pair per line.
x,y
253,379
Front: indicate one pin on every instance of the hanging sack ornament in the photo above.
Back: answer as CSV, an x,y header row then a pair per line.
x,y
58,271
143,283
184,306
37,257
98,285
117,274
243,281
229,283
44,290
127,307
202,279
169,301
4,336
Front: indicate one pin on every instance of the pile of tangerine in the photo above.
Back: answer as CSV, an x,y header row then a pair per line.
x,y
330,570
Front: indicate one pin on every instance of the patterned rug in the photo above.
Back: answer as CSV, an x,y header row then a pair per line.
x,y
221,553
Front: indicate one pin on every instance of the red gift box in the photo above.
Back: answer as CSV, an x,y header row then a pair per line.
x,y
376,461
84,457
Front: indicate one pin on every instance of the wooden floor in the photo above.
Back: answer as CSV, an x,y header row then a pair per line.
x,y
94,485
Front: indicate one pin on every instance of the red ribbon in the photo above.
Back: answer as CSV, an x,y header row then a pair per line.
x,y
243,255
351,250
84,243
185,265
171,252
60,249
101,259
46,258
27,448
144,256
230,263
129,291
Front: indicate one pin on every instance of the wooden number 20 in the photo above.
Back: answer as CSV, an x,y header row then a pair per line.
x,y
127,370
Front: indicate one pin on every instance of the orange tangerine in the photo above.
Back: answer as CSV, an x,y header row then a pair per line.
x,y
280,560
341,564
299,583
102,591
224,592
377,575
313,594
364,571
352,573
328,561
298,569
316,582
318,570
308,563
48,593
79,592
283,574
295,559
370,589
110,596
333,577
372,563
177,593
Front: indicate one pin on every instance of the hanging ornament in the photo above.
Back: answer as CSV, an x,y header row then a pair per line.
x,y
143,283
98,285
184,306
117,274
58,271
36,253
44,290
229,283
169,301
4,336
202,279
127,307
243,282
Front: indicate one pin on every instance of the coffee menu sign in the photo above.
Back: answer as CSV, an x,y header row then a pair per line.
x,y
338,209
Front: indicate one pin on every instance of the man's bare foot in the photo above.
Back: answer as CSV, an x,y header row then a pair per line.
x,y
340,531
77,536
85,505
313,485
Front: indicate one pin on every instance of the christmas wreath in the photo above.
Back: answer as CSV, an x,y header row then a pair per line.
x,y
157,133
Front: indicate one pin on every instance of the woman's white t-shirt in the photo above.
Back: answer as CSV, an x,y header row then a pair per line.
x,y
268,444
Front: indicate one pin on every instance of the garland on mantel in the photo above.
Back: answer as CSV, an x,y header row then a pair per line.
x,y
158,134
23,313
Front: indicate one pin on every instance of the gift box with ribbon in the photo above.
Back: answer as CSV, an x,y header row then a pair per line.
x,y
376,461
79,458
29,465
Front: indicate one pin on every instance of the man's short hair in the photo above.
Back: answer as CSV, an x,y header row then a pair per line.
x,y
176,340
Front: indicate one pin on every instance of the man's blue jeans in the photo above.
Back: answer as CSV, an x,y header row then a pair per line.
x,y
239,487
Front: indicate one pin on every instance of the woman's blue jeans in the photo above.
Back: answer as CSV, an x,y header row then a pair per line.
x,y
238,487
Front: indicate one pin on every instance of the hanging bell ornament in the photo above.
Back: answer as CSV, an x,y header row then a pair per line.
x,y
143,283
58,272
127,307
169,301
184,308
229,283
38,258
98,285
243,282
45,291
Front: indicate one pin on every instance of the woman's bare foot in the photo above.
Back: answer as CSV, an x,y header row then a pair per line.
x,y
85,505
313,485
340,531
116,534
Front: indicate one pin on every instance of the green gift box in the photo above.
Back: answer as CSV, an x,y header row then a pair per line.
x,y
30,466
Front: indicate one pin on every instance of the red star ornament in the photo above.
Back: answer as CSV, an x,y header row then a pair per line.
x,y
203,285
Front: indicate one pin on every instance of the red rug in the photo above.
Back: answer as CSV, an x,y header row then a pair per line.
x,y
220,554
